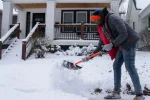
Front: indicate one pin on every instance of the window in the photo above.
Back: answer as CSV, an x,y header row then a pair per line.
x,y
91,12
77,16
81,17
68,18
92,29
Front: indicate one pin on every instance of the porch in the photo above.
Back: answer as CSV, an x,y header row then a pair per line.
x,y
79,34
62,19
70,34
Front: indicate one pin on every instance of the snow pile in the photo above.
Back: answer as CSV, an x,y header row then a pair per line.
x,y
31,80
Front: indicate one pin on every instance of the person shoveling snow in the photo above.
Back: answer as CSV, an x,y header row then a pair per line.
x,y
119,41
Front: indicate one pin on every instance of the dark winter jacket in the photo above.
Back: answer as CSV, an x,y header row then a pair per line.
x,y
123,35
118,32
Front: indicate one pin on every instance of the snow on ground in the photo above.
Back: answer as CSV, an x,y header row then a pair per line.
x,y
46,79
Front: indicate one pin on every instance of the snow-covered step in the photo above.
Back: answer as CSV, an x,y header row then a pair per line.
x,y
13,51
14,41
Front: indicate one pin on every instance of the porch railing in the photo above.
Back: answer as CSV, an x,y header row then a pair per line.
x,y
13,32
29,42
76,32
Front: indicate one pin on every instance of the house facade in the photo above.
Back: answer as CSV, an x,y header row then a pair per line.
x,y
138,16
144,17
132,15
52,12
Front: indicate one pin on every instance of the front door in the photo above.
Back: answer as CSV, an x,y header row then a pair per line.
x,y
39,17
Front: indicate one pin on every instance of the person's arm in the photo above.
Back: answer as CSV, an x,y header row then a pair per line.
x,y
99,47
120,27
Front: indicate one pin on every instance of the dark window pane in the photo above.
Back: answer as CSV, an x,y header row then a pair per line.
x,y
81,17
68,17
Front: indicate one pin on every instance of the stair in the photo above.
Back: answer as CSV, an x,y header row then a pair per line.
x,y
13,51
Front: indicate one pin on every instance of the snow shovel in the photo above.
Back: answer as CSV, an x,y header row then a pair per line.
x,y
75,66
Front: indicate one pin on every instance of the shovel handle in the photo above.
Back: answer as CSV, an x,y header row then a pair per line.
x,y
93,55
77,63
88,57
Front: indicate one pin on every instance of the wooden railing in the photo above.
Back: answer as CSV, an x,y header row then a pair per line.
x,y
14,31
29,42
76,32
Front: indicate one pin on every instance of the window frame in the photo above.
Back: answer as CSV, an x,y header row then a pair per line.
x,y
85,30
64,16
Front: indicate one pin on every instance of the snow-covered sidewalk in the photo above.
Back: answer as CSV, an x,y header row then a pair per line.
x,y
46,79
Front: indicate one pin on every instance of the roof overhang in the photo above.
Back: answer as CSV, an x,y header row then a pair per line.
x,y
65,5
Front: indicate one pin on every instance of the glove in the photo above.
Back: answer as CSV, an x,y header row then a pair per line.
x,y
107,47
84,59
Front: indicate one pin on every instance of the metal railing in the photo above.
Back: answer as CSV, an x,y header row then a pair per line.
x,y
29,42
14,30
76,32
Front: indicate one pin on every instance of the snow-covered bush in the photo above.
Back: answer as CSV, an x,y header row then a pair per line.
x,y
39,53
76,50
43,46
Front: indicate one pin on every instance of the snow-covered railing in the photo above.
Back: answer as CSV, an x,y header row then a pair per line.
x,y
29,42
76,31
14,30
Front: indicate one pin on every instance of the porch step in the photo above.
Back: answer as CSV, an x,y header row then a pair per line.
x,y
13,50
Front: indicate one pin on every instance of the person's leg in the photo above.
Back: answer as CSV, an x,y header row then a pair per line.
x,y
129,59
117,70
117,76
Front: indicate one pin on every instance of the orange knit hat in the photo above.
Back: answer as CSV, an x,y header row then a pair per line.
x,y
95,17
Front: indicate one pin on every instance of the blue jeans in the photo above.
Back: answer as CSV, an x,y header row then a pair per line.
x,y
128,57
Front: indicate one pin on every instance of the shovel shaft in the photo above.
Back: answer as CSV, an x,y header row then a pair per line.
x,y
88,57
93,55
77,63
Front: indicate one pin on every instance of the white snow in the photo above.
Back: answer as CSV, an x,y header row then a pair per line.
x,y
46,79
